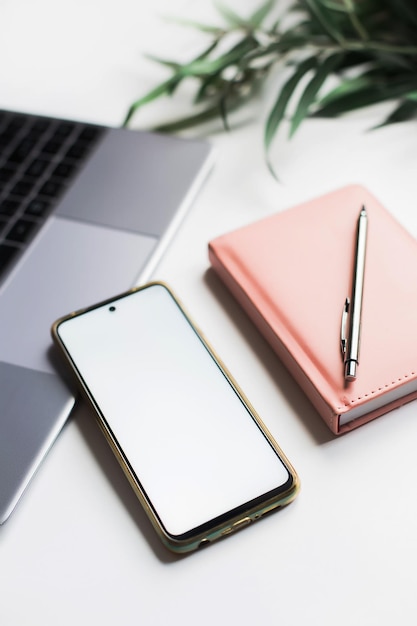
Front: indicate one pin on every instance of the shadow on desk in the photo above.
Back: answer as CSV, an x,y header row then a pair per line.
x,y
108,463
283,380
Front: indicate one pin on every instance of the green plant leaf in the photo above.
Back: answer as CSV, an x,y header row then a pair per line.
x,y
208,114
278,111
223,108
354,60
368,95
405,8
324,69
351,86
204,67
173,65
232,18
260,14
284,44
323,17
334,6
164,88
214,83
405,111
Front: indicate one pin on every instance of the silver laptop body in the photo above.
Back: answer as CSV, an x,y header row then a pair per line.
x,y
107,230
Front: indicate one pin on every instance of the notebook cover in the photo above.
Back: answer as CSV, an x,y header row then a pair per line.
x,y
292,272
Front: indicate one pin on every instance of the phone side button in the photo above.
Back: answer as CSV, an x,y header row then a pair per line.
x,y
236,526
245,521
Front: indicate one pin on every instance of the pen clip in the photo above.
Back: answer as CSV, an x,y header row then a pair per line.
x,y
343,336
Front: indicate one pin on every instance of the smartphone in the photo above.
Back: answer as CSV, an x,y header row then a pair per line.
x,y
197,455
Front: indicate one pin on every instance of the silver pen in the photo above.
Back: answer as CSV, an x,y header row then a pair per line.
x,y
353,307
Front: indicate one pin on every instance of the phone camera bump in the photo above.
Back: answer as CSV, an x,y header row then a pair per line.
x,y
112,308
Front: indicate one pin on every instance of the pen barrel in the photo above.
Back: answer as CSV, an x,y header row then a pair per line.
x,y
352,356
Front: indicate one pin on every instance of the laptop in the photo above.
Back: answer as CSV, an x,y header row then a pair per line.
x,y
86,211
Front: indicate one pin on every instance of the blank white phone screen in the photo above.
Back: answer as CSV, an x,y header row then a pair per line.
x,y
190,440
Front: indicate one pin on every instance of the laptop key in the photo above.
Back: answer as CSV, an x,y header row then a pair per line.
x,y
39,127
23,187
78,150
23,150
64,170
5,140
17,122
38,207
51,188
52,146
21,231
37,167
90,133
6,174
7,254
11,131
8,207
64,129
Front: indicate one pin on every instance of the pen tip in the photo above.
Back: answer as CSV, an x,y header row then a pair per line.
x,y
363,210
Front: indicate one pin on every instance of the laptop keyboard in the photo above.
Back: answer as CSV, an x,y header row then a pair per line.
x,y
38,158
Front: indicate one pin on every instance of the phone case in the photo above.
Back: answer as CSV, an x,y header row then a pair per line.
x,y
210,532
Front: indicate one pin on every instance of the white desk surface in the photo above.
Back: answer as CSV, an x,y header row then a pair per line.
x,y
78,549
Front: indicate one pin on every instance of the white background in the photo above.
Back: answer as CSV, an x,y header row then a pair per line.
x,y
78,547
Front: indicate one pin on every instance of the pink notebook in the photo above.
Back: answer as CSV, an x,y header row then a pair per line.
x,y
292,272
